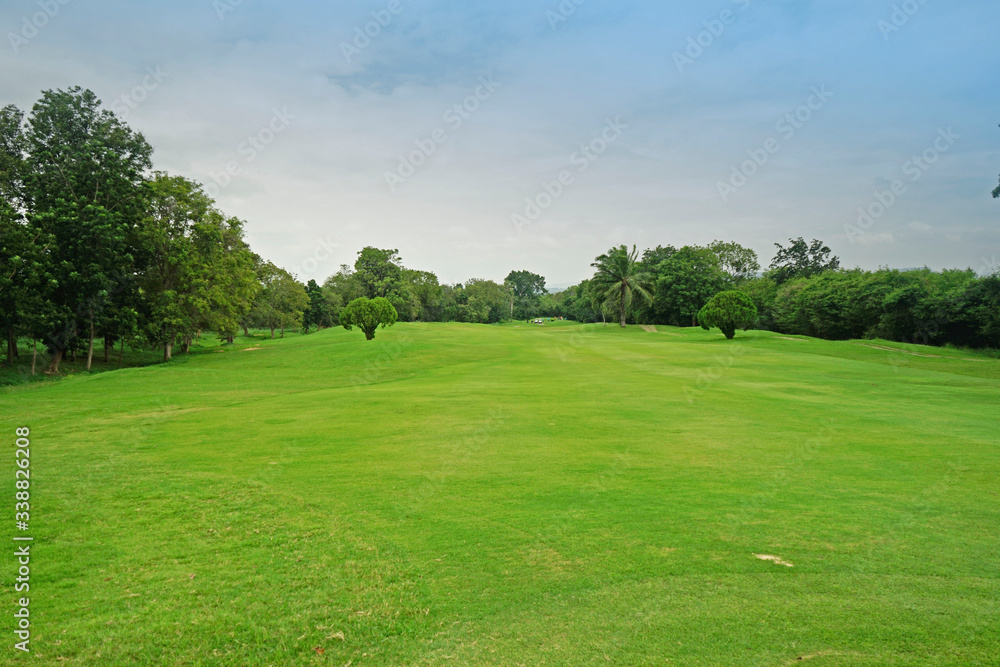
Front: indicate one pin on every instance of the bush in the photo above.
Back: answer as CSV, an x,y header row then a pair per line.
x,y
728,311
368,315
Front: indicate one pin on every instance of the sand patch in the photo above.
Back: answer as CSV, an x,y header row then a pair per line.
x,y
252,349
773,559
648,328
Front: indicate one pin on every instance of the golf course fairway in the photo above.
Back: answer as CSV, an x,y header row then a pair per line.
x,y
453,494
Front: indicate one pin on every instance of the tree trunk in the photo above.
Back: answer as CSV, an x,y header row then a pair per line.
x,y
282,329
34,354
90,348
107,351
168,349
621,308
272,333
54,365
246,332
186,346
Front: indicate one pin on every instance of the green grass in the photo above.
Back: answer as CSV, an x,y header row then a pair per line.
x,y
566,494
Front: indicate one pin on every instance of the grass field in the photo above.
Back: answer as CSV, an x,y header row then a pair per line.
x,y
561,495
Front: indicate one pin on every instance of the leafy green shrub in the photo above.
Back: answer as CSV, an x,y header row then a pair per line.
x,y
728,311
368,315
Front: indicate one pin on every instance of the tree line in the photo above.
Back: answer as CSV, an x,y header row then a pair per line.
x,y
97,245
804,291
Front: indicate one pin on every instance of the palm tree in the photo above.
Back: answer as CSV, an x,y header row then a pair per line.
x,y
620,278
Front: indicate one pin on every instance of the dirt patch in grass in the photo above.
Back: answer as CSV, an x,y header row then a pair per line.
x,y
821,654
773,559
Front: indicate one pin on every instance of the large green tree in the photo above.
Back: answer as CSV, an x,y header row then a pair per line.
x,y
526,289
620,279
83,178
481,301
426,294
685,282
15,235
282,300
231,280
738,262
317,310
379,272
173,265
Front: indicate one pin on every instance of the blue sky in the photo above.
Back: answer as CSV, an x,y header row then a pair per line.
x,y
643,109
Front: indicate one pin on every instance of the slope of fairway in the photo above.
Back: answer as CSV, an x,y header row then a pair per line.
x,y
459,494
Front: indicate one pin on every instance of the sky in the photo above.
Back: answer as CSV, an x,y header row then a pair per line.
x,y
483,137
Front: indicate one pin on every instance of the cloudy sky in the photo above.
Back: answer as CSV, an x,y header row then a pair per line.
x,y
479,137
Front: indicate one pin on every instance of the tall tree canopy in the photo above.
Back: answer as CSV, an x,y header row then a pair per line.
x,y
83,182
526,289
685,282
802,260
177,207
318,308
282,300
739,263
378,271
